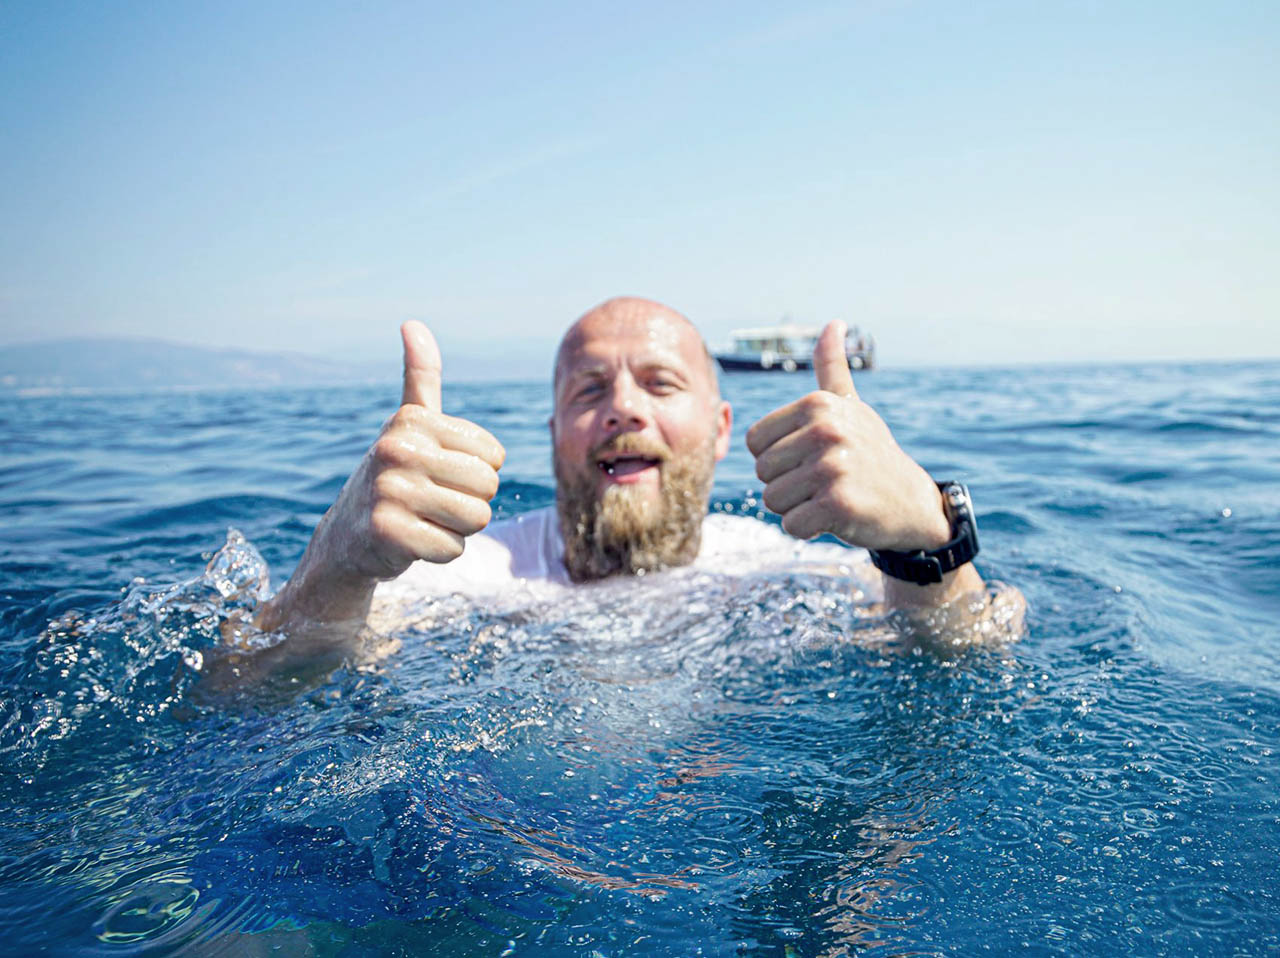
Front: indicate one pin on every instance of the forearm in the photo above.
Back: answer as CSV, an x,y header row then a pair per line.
x,y
324,590
317,596
423,486
991,614
907,595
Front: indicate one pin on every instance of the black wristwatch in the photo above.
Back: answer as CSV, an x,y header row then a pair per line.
x,y
925,568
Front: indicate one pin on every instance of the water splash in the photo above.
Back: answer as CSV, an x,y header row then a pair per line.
x,y
107,680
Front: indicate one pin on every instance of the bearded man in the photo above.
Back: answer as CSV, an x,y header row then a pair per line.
x,y
637,428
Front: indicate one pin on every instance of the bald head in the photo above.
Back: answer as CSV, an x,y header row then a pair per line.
x,y
625,315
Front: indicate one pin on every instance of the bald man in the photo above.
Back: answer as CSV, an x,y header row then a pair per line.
x,y
637,428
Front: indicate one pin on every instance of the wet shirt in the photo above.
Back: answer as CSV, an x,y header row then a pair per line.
x,y
526,554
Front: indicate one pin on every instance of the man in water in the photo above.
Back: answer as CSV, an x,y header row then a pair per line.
x,y
637,428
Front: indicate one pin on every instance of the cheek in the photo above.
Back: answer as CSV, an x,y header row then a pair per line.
x,y
571,439
690,428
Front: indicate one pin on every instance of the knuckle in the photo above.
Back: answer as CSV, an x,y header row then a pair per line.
x,y
411,415
815,402
826,431
416,425
386,486
389,449
403,418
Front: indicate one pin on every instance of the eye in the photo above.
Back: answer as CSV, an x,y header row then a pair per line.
x,y
589,389
663,384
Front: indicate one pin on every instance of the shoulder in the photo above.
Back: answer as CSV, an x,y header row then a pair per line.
x,y
721,530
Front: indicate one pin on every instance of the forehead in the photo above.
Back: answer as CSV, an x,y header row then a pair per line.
x,y
603,341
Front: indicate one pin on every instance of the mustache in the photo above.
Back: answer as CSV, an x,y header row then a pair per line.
x,y
630,443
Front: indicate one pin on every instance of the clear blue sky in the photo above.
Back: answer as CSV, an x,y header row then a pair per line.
x,y
975,182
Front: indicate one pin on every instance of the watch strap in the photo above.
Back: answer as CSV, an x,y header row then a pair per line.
x,y
928,568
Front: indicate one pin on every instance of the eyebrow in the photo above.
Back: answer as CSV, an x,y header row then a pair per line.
x,y
592,370
648,363
672,360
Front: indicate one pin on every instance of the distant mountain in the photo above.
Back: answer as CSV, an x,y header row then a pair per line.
x,y
142,364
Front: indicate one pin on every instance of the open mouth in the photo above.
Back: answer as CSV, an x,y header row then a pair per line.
x,y
626,464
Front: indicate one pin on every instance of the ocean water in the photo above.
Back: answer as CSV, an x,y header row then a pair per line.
x,y
714,768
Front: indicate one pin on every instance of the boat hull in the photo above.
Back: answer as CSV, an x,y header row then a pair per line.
x,y
741,364
790,364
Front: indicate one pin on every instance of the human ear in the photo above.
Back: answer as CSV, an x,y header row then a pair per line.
x,y
724,426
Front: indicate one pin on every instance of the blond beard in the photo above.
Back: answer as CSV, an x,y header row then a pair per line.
x,y
625,532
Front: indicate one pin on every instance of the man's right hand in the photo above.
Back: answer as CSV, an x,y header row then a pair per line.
x,y
421,489
426,482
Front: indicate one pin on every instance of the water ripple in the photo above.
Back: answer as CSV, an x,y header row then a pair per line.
x,y
655,767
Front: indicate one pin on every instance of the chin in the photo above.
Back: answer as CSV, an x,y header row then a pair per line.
x,y
634,493
626,528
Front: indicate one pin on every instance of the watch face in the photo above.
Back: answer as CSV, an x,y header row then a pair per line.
x,y
959,506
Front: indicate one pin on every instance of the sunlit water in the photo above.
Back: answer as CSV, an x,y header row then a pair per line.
x,y
670,766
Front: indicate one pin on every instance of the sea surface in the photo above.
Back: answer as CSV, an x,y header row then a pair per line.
x,y
708,767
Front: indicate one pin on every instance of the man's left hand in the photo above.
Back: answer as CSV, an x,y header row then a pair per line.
x,y
830,464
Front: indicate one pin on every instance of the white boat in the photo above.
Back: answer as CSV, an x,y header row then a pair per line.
x,y
788,348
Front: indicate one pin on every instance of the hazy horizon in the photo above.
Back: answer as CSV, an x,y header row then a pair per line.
x,y
994,185
305,370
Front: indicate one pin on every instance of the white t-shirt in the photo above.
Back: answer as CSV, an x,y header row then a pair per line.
x,y
525,555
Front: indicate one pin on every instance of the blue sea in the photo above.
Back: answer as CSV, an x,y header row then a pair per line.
x,y
772,770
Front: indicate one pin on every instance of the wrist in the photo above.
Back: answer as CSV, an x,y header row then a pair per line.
x,y
322,590
937,531
899,594
307,600
928,566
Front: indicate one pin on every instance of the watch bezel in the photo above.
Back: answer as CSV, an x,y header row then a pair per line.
x,y
928,567
957,505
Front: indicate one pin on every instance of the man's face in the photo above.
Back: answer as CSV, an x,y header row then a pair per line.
x,y
637,429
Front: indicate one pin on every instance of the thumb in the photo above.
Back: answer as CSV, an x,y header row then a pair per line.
x,y
421,366
830,362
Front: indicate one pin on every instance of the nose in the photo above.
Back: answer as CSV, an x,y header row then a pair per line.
x,y
627,409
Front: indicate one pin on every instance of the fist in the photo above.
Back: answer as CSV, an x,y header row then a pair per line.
x,y
831,465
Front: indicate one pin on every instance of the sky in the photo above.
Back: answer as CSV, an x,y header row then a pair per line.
x,y
976,183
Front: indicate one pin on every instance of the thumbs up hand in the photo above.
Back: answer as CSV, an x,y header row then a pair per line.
x,y
424,485
421,489
830,464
